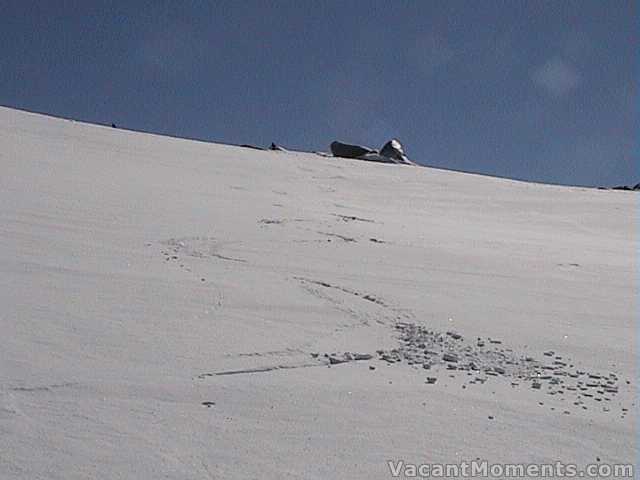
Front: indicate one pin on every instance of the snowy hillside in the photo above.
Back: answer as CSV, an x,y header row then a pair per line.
x,y
183,310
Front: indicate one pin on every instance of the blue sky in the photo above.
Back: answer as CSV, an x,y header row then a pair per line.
x,y
536,90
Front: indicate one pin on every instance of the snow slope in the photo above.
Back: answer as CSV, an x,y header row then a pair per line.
x,y
135,268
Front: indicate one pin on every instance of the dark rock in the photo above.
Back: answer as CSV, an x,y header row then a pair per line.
x,y
346,150
362,356
393,149
335,360
450,357
388,358
277,148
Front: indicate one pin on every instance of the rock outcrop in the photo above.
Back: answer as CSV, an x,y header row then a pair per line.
x,y
391,152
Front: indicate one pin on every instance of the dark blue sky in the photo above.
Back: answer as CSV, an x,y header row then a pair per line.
x,y
535,90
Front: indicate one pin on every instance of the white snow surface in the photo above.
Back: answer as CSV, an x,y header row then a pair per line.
x,y
110,345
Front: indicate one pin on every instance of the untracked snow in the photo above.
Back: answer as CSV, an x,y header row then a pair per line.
x,y
184,310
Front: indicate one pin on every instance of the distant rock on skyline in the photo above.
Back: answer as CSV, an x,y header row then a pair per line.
x,y
391,152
